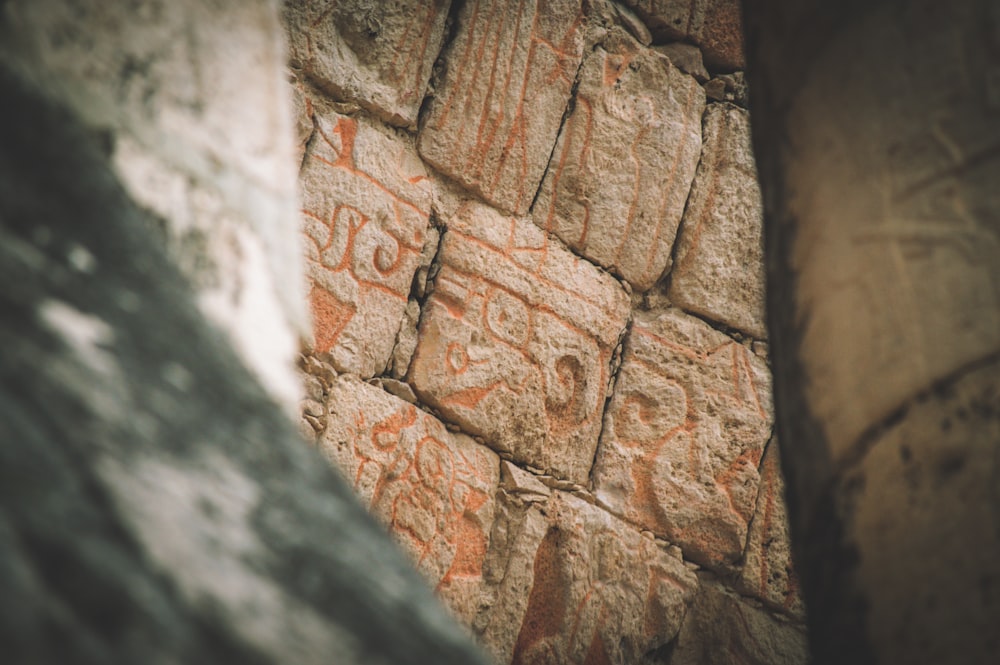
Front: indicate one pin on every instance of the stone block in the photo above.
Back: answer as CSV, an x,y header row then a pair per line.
x,y
576,585
714,25
379,55
724,628
434,489
719,267
621,171
767,572
516,340
366,209
496,113
684,434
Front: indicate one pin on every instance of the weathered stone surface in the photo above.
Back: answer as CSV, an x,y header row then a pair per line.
x,y
156,506
200,132
516,339
628,20
577,585
714,25
941,501
434,489
767,571
686,58
516,481
719,267
379,54
728,88
302,110
497,111
622,168
366,206
683,435
724,628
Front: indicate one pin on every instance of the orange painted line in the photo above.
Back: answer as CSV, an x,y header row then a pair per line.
x,y
534,276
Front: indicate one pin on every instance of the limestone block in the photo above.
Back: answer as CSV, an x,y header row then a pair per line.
x,y
684,434
516,340
379,54
577,585
434,489
366,208
719,267
496,113
714,25
767,572
621,171
724,628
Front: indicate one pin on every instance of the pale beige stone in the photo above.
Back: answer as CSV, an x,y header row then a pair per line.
x,y
724,628
719,267
516,341
684,434
366,207
714,25
434,489
627,18
496,113
517,481
767,572
379,54
576,585
621,171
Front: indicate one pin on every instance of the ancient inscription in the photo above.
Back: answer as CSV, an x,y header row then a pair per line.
x,y
516,339
684,434
434,489
377,54
767,571
366,206
719,268
714,25
598,591
619,176
496,113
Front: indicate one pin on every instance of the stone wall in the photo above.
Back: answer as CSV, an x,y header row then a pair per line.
x,y
532,237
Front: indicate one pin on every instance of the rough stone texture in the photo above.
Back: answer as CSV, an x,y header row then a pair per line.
x,y
366,206
684,434
719,267
496,113
885,313
379,54
155,505
714,25
724,628
577,585
302,109
767,571
686,58
200,133
516,340
434,489
621,170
